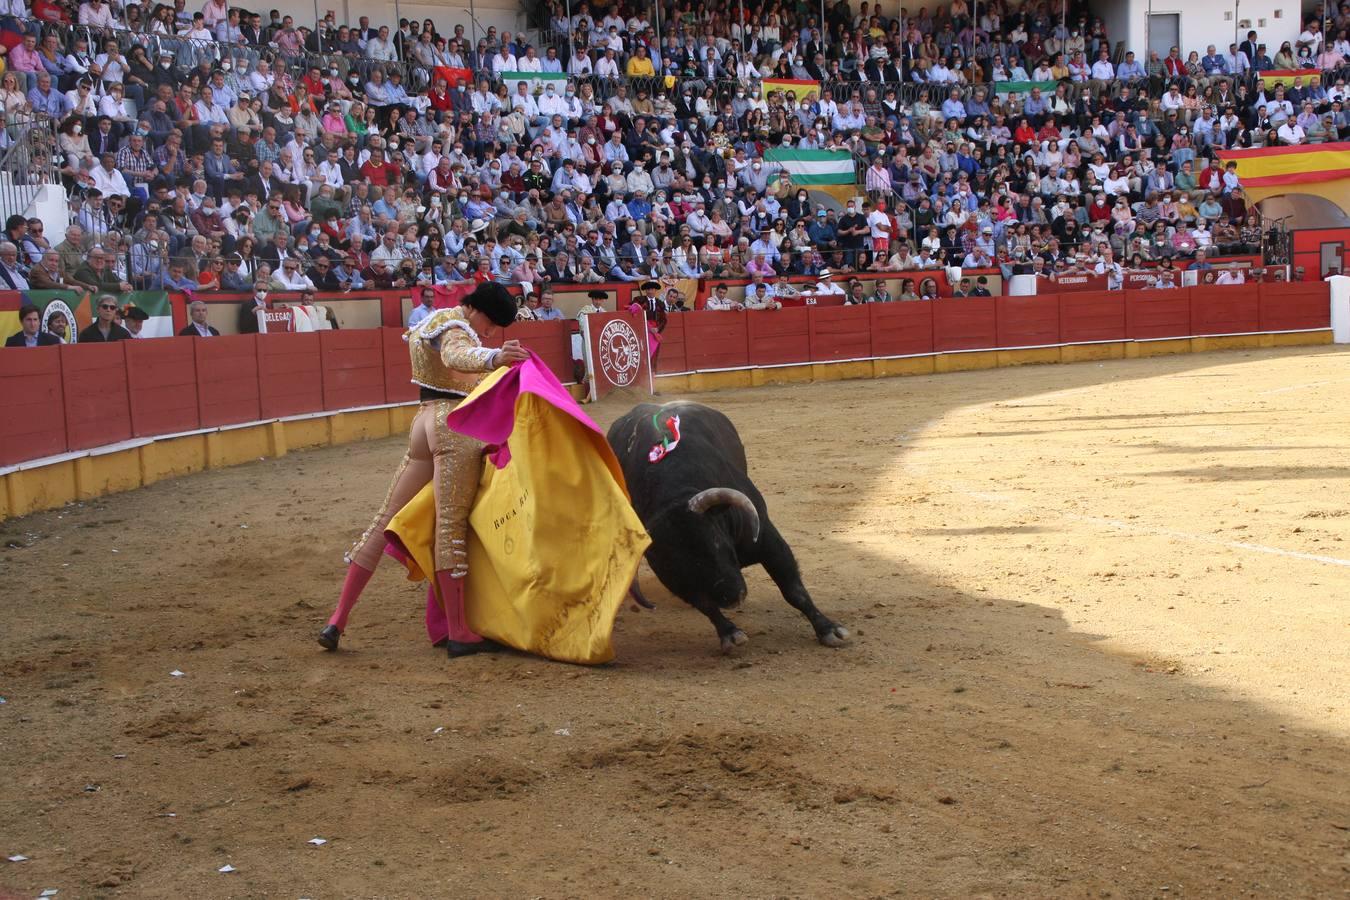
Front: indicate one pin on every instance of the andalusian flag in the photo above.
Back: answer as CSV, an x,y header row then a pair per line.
x,y
1024,87
536,80
793,89
1287,76
815,167
78,308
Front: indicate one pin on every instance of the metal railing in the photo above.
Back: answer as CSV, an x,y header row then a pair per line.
x,y
28,163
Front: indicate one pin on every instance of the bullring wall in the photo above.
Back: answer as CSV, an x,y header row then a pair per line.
x,y
78,422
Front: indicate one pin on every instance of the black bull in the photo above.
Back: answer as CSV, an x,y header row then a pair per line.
x,y
705,516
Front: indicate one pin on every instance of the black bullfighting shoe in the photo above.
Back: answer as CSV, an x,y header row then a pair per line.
x,y
329,637
456,649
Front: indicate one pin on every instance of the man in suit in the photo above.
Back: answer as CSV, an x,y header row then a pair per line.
x,y
31,335
11,276
262,182
46,275
198,327
248,310
104,138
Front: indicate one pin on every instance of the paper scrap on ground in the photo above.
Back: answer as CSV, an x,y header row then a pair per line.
x,y
49,892
18,857
317,842
177,674
439,729
563,732
227,868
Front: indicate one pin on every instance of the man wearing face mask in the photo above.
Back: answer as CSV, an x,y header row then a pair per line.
x,y
249,309
852,230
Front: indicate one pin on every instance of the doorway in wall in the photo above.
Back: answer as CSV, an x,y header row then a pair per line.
x,y
1164,33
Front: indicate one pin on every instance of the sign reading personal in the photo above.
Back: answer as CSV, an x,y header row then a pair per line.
x,y
619,350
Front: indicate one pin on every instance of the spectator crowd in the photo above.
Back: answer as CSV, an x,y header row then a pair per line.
x,y
225,149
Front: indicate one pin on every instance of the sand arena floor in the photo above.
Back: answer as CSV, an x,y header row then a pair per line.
x,y
1102,648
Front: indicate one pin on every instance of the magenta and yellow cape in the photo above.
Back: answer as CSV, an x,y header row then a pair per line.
x,y
554,542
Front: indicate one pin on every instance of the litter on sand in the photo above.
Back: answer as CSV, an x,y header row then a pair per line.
x,y
18,857
177,674
49,892
439,729
227,869
318,842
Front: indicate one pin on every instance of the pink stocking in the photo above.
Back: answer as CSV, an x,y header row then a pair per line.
x,y
437,628
357,577
452,594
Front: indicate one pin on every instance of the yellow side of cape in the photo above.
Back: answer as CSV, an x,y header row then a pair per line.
x,y
554,542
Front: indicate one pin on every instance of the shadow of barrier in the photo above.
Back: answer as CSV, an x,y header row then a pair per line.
x,y
85,420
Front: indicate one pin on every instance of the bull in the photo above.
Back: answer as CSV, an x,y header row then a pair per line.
x,y
706,519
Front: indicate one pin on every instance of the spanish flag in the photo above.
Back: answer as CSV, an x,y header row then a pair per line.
x,y
1265,167
1319,169
1286,77
793,89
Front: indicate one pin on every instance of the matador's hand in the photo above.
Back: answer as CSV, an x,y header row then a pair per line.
x,y
511,353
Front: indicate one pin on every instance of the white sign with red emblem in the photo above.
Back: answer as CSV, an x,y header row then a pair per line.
x,y
617,352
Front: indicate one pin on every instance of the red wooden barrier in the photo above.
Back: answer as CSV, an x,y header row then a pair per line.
x,y
227,379
162,379
839,332
901,329
965,323
98,407
552,341
1092,316
1031,321
290,374
34,421
1227,309
671,357
778,336
353,368
398,386
715,340
1293,307
1157,314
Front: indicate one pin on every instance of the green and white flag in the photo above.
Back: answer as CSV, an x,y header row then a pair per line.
x,y
1024,87
536,80
815,167
78,308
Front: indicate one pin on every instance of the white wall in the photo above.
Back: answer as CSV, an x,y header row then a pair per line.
x,y
501,14
1203,22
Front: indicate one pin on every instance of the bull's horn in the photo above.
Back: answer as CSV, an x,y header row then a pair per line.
x,y
706,500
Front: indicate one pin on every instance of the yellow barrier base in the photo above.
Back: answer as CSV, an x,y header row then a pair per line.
x,y
98,474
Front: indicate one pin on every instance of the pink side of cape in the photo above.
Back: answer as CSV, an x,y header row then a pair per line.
x,y
491,416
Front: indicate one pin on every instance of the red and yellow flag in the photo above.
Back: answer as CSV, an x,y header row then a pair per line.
x,y
793,89
1287,76
1273,166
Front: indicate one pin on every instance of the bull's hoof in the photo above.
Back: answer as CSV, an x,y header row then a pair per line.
x,y
732,641
834,636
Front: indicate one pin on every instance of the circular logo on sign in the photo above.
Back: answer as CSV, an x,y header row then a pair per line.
x,y
620,353
58,308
